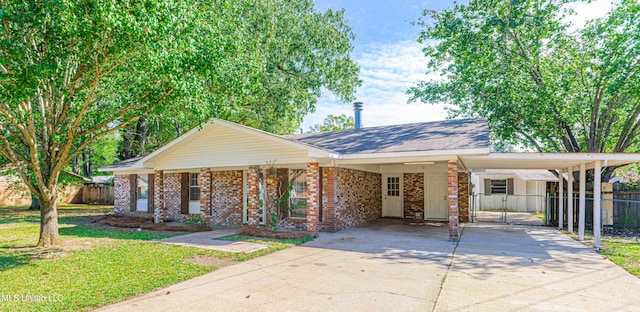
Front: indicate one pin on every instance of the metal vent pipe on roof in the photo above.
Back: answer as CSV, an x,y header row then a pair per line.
x,y
357,108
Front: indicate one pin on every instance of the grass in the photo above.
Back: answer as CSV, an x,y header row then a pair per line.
x,y
540,216
271,243
265,240
623,251
96,266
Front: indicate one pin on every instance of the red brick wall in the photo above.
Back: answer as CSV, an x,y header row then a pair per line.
x,y
158,196
413,184
358,197
205,192
172,197
121,194
328,222
226,197
253,193
313,186
452,190
463,196
293,224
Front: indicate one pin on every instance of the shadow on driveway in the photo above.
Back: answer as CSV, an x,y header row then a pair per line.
x,y
390,265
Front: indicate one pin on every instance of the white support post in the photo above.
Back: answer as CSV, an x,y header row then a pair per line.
x,y
597,203
560,200
583,196
570,200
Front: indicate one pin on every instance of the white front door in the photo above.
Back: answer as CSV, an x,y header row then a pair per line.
x,y
392,195
435,196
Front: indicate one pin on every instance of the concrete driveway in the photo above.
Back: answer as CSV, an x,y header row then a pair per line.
x,y
392,266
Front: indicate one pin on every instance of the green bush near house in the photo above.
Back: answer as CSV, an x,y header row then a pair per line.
x,y
195,220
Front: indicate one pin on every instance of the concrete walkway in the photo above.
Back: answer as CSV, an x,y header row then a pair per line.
x,y
392,266
207,240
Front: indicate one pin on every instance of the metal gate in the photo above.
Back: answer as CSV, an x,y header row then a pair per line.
x,y
510,209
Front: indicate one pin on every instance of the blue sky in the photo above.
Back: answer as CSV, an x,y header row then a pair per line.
x,y
391,60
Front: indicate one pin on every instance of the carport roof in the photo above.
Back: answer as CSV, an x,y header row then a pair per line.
x,y
546,160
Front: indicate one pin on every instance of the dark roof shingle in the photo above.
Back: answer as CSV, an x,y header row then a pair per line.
x,y
123,164
426,136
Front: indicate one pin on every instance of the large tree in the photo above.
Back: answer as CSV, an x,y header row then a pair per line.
x,y
300,51
538,82
334,122
73,72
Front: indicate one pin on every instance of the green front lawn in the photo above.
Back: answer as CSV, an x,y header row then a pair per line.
x,y
625,252
96,266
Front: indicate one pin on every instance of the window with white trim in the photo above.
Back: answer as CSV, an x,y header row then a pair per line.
x,y
194,186
393,186
142,184
298,194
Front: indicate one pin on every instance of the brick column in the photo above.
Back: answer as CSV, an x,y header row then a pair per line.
x,y
253,204
328,200
312,198
205,192
158,196
463,196
121,194
452,180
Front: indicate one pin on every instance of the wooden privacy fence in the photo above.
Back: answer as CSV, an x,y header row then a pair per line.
x,y
97,194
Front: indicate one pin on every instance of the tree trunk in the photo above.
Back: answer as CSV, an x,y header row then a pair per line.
x,y
49,221
607,173
35,203
87,166
141,136
125,151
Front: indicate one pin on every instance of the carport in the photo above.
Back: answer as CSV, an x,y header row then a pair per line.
x,y
561,163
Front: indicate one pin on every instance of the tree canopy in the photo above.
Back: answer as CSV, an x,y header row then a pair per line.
x,y
541,84
292,54
73,72
333,122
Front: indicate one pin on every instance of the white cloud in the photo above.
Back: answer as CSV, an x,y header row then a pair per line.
x,y
389,69
387,72
585,11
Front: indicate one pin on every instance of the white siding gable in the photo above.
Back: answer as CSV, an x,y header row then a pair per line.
x,y
220,146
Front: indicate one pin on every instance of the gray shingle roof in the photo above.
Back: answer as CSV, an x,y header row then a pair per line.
x,y
123,164
424,136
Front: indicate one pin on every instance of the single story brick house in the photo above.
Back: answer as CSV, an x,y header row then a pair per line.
x,y
338,179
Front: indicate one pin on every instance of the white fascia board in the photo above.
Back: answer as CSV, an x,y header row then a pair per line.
x,y
324,154
608,159
132,171
635,157
453,153
136,167
526,160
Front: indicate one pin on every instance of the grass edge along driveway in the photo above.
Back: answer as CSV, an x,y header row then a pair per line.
x,y
621,250
97,265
